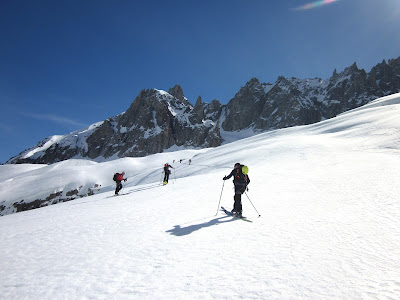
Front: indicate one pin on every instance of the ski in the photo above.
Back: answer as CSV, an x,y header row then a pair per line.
x,y
118,195
123,194
233,215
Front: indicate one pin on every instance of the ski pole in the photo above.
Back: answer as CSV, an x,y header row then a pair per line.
x,y
220,197
252,204
123,185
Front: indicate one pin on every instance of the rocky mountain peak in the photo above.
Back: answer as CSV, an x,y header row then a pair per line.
x,y
395,64
351,70
177,92
198,102
386,76
335,74
252,83
157,120
197,112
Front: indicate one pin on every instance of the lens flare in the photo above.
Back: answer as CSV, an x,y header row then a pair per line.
x,y
315,4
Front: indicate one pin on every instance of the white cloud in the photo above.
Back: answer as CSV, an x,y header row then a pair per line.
x,y
55,118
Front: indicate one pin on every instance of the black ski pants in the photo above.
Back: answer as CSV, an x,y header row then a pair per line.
x,y
118,187
239,190
166,176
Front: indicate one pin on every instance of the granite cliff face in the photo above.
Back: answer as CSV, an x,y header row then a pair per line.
x,y
158,120
155,121
291,101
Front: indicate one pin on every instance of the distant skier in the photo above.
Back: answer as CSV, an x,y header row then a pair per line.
x,y
190,161
240,180
167,171
118,177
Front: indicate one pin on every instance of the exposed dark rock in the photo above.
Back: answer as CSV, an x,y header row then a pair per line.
x,y
157,120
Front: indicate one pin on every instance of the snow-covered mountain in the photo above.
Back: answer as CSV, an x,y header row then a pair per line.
x,y
76,178
329,225
159,121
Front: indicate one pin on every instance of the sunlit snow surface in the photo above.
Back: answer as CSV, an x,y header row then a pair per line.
x,y
328,195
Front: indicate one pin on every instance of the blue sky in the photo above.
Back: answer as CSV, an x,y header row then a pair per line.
x,y
67,64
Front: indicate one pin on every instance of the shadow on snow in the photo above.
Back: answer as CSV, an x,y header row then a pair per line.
x,y
181,231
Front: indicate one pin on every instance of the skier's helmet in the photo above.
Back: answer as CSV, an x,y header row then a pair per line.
x,y
237,165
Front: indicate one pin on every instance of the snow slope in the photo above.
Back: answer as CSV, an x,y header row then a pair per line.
x,y
329,226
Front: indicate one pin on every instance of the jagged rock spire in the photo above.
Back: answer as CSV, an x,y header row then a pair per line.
x,y
177,92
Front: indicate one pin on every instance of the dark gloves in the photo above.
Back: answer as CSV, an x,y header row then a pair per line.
x,y
124,179
224,178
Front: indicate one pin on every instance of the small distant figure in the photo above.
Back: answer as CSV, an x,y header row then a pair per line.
x,y
190,161
118,178
180,161
167,171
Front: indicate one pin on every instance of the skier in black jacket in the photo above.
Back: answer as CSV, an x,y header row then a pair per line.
x,y
167,171
240,181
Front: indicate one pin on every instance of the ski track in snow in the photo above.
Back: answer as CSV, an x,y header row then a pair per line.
x,y
329,225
